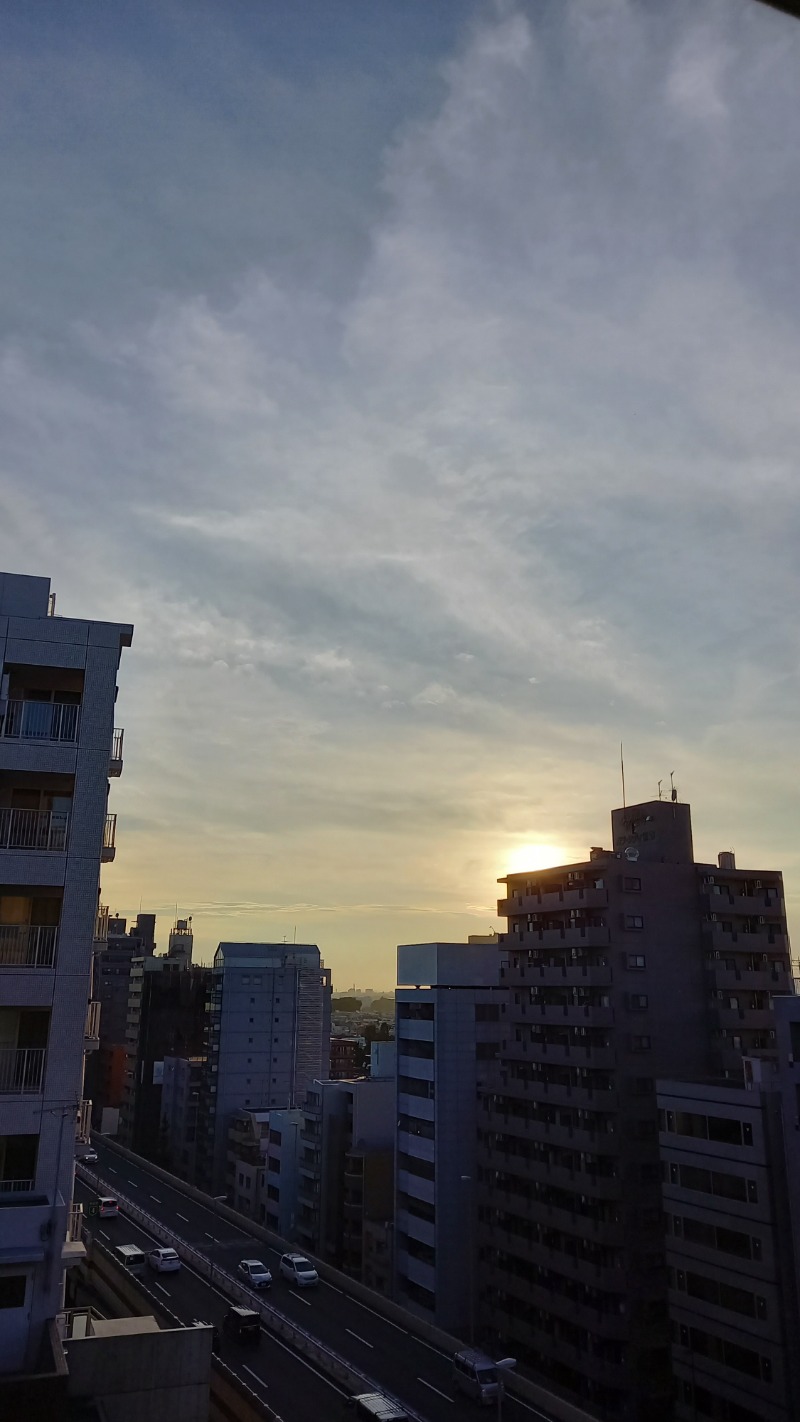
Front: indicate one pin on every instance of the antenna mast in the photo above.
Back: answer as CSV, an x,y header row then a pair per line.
x,y
622,773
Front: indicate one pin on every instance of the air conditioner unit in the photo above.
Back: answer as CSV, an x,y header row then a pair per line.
x,y
758,883
716,953
712,917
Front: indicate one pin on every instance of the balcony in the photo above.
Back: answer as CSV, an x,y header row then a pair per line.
x,y
83,1124
115,761
44,830
16,1187
91,1035
73,1249
101,924
41,721
595,975
26,946
108,852
21,1070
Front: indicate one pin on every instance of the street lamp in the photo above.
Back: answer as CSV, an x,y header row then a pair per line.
x,y
504,1365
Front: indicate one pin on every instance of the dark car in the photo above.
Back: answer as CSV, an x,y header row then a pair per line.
x,y
242,1323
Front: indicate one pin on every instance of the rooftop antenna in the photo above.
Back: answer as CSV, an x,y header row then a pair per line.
x,y
295,933
660,783
622,773
674,793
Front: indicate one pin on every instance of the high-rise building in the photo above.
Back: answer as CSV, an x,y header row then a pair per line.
x,y
730,1265
448,1009
116,946
57,749
634,964
268,1039
166,1018
180,1101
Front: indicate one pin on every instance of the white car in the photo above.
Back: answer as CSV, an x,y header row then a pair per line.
x,y
255,1273
164,1261
299,1270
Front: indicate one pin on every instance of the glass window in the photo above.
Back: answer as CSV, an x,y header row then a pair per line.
x,y
12,1290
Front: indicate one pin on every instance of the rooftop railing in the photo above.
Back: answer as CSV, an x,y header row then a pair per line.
x,y
22,945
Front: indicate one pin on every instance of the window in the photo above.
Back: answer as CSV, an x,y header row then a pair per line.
x,y
635,961
640,1043
634,922
414,1166
12,1290
631,884
637,1002
275,1137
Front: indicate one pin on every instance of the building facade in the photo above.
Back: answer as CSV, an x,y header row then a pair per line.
x,y
731,1275
180,1104
635,964
448,1009
268,1038
166,1018
58,681
116,946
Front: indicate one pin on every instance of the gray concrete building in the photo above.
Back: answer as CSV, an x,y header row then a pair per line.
x,y
58,747
635,964
730,1267
448,1008
180,1102
268,1038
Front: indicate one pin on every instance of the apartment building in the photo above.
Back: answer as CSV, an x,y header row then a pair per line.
x,y
58,747
449,1003
731,1277
635,964
166,1017
180,1102
344,1167
116,946
278,1209
267,1039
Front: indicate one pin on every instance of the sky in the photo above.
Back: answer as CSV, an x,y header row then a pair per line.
x,y
421,381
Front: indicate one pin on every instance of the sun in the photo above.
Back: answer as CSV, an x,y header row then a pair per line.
x,y
522,857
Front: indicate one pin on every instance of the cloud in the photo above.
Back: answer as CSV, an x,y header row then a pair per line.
x,y
533,398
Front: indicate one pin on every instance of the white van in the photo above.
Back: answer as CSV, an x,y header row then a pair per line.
x,y
131,1257
475,1375
107,1205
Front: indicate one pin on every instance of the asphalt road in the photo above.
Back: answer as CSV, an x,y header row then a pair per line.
x,y
413,1371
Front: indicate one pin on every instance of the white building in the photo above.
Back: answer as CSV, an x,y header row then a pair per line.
x,y
57,749
269,1038
448,1004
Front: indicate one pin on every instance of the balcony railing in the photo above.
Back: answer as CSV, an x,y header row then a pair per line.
x,y
101,924
83,1124
24,946
41,721
16,1187
92,1030
34,829
75,1222
109,839
21,1070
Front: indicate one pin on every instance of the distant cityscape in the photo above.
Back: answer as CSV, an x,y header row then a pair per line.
x,y
574,1141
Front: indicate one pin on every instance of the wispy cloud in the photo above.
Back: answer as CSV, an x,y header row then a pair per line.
x,y
414,529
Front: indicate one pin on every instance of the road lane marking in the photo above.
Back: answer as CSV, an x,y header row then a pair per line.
x,y
112,1171
380,1316
435,1389
155,1197
210,1236
163,1290
105,1236
360,1339
273,1338
328,1285
430,1346
300,1298
254,1375
185,1218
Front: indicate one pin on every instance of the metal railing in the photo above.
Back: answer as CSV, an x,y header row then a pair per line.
x,y
83,1124
15,1187
116,743
34,829
21,1070
75,1222
93,1020
110,833
41,721
22,945
101,924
